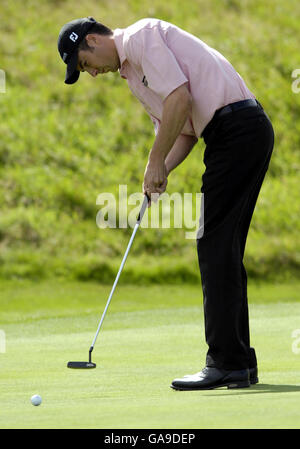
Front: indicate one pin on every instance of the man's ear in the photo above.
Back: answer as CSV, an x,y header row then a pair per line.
x,y
92,39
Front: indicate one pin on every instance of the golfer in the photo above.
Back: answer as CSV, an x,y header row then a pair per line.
x,y
191,91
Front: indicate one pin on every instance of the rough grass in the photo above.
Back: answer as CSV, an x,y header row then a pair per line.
x,y
62,146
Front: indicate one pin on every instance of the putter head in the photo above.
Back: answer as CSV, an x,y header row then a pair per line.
x,y
81,365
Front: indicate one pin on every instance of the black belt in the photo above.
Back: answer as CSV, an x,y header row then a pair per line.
x,y
228,110
236,107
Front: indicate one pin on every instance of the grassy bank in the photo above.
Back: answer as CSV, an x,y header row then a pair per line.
x,y
61,146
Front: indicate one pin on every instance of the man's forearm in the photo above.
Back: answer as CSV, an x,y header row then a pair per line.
x,y
181,148
175,113
176,109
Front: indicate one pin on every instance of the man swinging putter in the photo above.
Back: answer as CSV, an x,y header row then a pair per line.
x,y
191,91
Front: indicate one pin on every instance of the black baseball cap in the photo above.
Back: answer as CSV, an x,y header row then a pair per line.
x,y
70,36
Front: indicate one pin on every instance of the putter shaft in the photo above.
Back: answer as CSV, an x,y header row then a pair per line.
x,y
139,219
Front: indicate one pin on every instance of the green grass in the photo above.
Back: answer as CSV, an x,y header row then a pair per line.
x,y
61,146
150,336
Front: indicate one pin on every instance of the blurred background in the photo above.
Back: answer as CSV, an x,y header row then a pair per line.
x,y
61,146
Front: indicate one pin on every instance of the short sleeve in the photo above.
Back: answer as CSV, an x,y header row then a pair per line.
x,y
156,123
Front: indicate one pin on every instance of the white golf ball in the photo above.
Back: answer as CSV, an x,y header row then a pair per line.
x,y
36,399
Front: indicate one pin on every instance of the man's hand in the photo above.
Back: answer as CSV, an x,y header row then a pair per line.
x,y
155,177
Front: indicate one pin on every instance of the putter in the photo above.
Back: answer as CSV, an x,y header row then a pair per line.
x,y
90,364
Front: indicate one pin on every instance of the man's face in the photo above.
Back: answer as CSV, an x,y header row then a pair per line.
x,y
102,58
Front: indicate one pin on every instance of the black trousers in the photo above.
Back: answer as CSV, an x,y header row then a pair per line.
x,y
237,154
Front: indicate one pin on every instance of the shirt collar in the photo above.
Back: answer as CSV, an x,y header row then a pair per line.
x,y
118,38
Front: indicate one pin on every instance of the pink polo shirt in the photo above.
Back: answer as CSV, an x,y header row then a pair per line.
x,y
157,57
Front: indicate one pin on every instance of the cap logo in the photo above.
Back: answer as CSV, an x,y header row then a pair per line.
x,y
73,36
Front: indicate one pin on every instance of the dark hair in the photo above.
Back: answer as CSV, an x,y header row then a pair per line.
x,y
98,28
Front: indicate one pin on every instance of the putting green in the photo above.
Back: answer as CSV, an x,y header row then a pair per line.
x,y
150,336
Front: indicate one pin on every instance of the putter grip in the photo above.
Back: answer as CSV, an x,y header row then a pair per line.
x,y
143,208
